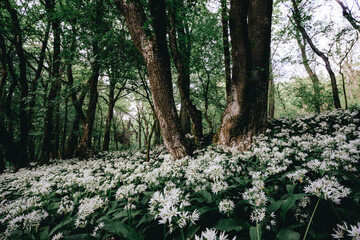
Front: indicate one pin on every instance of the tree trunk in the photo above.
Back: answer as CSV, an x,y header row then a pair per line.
x,y
84,148
154,51
22,157
225,32
314,78
109,118
271,95
296,17
245,114
185,120
181,49
48,138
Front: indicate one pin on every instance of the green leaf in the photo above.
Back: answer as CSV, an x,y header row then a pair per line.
x,y
287,234
275,206
192,231
229,224
53,206
83,236
254,233
206,195
122,230
60,225
289,203
44,233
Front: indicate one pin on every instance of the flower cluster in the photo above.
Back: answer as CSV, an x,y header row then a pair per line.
x,y
327,188
169,207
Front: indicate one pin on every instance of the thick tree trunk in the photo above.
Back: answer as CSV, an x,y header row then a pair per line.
x,y
245,115
226,48
185,120
22,158
314,78
181,49
154,51
296,17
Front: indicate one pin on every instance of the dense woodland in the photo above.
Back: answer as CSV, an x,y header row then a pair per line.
x,y
179,119
81,77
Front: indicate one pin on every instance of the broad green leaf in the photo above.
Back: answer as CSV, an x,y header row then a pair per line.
x,y
255,233
83,236
122,230
275,206
289,203
206,195
60,225
229,224
44,233
287,234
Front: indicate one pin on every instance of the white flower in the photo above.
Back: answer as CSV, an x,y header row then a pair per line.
x,y
327,189
57,236
226,206
219,186
211,234
255,196
354,231
258,214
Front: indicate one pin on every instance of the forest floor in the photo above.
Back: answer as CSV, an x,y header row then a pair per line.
x,y
300,179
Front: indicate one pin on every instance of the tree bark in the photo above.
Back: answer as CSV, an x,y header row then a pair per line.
x,y
22,157
271,95
181,50
296,17
313,77
226,48
109,117
155,53
48,138
84,148
245,115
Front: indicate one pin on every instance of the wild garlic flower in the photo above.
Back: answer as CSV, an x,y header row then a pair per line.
x,y
66,205
226,206
219,186
298,175
327,188
258,214
256,196
57,236
87,207
343,230
211,234
169,207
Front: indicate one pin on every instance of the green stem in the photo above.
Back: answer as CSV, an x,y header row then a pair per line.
x,y
311,218
257,230
182,233
164,232
337,214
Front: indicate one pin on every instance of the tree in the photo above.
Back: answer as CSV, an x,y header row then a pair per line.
x,y
21,159
297,19
180,42
347,14
301,41
84,147
153,48
245,115
49,138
